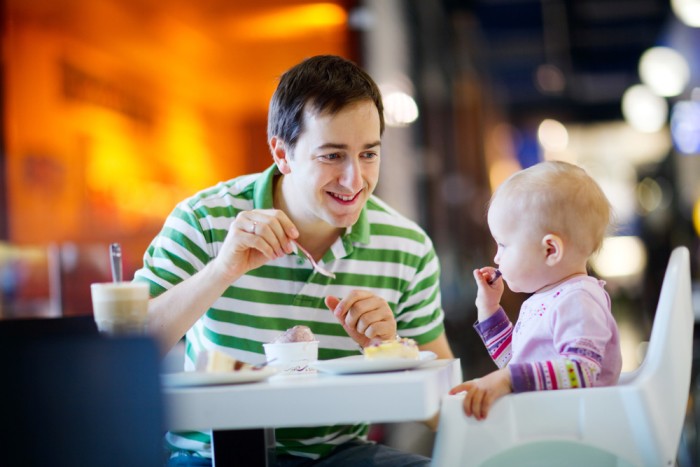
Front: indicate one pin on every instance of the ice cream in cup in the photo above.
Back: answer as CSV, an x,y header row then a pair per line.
x,y
292,351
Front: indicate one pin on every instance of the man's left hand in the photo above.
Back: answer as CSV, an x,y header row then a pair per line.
x,y
364,316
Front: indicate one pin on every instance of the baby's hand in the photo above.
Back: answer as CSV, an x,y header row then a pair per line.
x,y
483,392
490,289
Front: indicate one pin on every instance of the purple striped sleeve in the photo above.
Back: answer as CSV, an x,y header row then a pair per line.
x,y
523,377
562,373
496,332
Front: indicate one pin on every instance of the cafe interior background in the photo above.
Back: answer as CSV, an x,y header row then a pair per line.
x,y
115,110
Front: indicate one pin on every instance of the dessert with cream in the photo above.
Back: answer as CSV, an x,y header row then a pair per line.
x,y
293,350
393,348
295,334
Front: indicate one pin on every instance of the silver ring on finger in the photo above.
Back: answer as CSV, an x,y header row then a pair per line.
x,y
254,228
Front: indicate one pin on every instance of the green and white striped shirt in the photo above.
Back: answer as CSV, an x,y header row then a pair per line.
x,y
383,252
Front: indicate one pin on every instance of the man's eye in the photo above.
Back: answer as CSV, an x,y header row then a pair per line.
x,y
331,157
370,155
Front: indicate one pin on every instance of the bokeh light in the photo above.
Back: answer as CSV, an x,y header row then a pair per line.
x,y
654,194
553,135
549,79
400,109
276,23
650,195
643,109
688,11
696,217
620,257
685,126
664,70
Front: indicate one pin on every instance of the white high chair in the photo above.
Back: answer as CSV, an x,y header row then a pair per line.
x,y
636,423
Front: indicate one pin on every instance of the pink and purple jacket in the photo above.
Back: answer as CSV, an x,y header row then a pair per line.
x,y
564,338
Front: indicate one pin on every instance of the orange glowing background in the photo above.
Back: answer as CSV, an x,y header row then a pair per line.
x,y
118,109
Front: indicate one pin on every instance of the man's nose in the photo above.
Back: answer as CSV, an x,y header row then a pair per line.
x,y
351,176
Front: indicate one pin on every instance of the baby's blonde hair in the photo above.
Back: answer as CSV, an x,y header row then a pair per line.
x,y
559,198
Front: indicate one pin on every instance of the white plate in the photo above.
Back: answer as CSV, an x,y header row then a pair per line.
x,y
202,378
358,364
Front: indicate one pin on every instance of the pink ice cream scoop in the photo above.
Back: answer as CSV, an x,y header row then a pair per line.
x,y
295,334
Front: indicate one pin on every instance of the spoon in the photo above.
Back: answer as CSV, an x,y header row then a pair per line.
x,y
115,254
320,269
495,277
263,364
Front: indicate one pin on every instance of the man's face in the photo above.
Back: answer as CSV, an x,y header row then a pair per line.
x,y
334,167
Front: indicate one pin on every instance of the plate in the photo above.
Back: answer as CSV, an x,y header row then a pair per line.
x,y
202,378
358,364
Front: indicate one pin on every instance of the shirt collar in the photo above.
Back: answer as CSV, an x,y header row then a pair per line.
x,y
263,191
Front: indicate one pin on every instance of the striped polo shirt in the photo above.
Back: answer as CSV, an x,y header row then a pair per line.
x,y
383,252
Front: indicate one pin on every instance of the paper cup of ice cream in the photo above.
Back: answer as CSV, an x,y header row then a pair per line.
x,y
293,351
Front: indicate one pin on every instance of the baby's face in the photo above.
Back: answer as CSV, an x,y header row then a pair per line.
x,y
521,254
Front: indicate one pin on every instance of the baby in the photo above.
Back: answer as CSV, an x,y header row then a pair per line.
x,y
547,221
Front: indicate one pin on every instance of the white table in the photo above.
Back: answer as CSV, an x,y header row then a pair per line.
x,y
315,399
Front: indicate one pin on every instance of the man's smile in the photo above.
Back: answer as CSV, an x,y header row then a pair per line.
x,y
344,198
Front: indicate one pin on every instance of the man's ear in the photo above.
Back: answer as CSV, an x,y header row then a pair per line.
x,y
553,248
280,154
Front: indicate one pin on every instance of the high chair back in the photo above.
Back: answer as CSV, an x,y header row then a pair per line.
x,y
638,422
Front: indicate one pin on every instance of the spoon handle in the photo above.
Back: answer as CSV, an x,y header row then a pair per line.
x,y
115,255
263,364
320,269
495,277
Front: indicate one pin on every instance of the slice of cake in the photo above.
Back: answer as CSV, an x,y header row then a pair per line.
x,y
394,348
218,361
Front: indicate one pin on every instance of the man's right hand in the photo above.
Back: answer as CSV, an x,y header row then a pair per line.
x,y
254,238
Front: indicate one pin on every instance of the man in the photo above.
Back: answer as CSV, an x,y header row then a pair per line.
x,y
225,272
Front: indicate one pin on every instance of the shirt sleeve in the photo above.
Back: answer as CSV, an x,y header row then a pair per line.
x,y
497,332
580,333
176,253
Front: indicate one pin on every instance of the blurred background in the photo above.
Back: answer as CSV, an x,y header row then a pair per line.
x,y
115,110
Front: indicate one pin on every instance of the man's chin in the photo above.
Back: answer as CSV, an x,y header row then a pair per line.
x,y
343,222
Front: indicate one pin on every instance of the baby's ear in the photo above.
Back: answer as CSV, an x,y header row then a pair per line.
x,y
553,248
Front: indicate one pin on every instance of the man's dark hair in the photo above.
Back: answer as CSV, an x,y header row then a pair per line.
x,y
328,83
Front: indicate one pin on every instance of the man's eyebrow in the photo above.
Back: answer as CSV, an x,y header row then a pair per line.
x,y
371,145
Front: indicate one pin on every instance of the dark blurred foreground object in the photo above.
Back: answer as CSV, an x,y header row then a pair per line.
x,y
35,328
69,397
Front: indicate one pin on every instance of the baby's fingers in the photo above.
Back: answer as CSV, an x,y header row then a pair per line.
x,y
472,403
485,407
486,275
463,387
479,276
